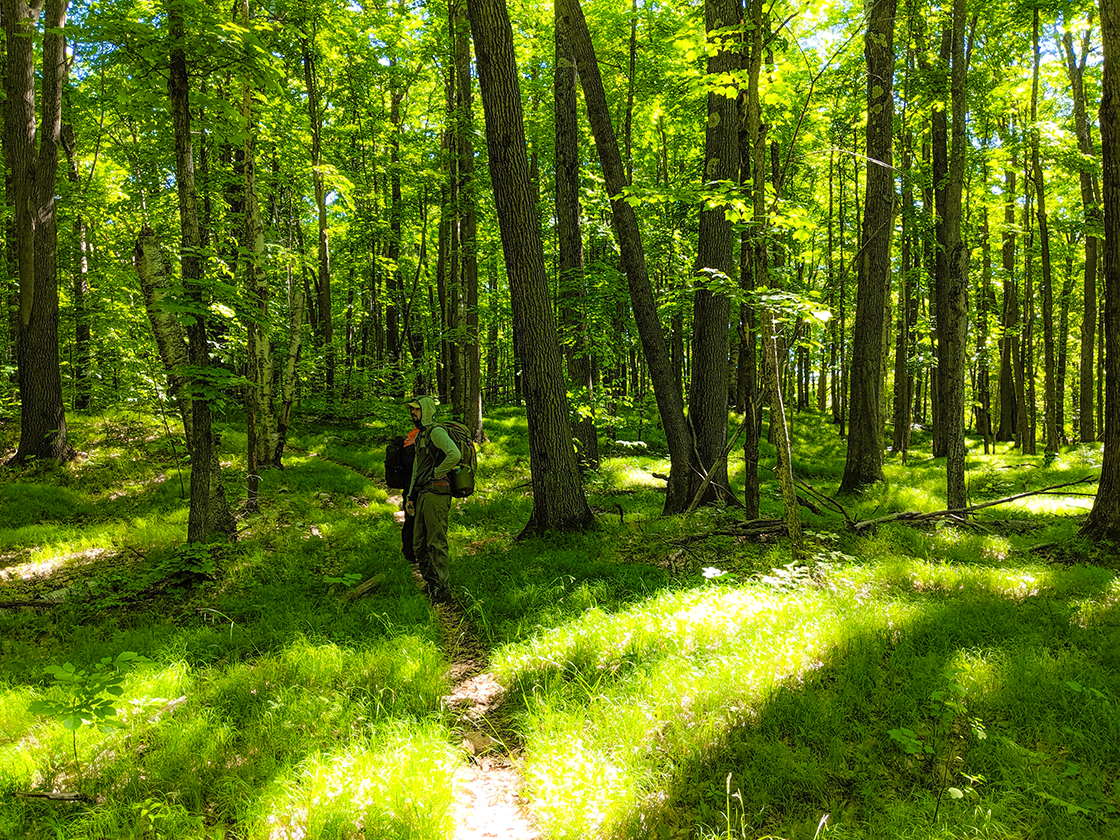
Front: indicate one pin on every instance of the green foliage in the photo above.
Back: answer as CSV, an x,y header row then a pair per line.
x,y
90,695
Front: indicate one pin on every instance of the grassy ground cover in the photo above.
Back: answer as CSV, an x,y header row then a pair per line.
x,y
664,679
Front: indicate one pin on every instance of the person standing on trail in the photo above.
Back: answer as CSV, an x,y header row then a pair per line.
x,y
429,497
403,476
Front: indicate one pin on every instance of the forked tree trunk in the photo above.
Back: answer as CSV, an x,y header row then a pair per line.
x,y
1090,202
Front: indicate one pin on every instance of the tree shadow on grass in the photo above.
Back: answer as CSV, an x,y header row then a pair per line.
x,y
1035,683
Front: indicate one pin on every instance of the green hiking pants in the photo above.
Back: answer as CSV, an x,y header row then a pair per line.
x,y
429,538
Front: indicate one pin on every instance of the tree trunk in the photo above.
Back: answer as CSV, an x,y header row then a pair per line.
x,y
297,306
864,463
470,401
83,344
209,511
569,236
32,159
262,424
666,385
1103,522
907,318
752,255
715,261
1090,202
558,499
952,271
1049,357
325,331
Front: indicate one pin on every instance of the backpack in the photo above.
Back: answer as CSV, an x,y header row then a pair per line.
x,y
399,455
462,477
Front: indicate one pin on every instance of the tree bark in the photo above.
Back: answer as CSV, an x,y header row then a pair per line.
x,y
864,463
666,384
1103,522
1049,355
325,324
1090,201
209,512
570,269
32,158
558,499
715,263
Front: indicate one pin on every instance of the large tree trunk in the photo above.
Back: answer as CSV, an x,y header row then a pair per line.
x,y
558,499
32,160
952,271
666,384
864,463
1090,202
715,258
209,511
569,236
1103,522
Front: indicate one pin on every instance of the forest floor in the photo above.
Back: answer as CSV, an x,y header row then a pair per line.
x,y
655,678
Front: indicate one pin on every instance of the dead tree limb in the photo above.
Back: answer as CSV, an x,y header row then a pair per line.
x,y
961,513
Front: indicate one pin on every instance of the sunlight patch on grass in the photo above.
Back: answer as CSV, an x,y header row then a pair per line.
x,y
396,784
615,702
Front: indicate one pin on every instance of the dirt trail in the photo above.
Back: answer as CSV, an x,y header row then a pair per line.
x,y
488,800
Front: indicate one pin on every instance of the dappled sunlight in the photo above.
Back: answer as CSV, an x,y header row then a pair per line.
x,y
396,782
614,702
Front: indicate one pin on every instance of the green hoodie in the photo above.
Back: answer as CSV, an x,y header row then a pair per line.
x,y
432,442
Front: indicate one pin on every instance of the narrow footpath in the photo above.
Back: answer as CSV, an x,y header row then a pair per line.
x,y
488,800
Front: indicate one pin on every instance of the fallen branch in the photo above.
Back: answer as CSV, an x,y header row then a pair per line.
x,y
962,513
53,797
363,588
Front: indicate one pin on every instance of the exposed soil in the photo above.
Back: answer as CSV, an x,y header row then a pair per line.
x,y
488,799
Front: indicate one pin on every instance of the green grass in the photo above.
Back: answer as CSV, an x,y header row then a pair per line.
x,y
663,680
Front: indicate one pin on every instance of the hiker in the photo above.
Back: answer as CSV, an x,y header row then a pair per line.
x,y
401,477
429,497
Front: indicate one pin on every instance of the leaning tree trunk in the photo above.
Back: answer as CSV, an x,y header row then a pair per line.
x,y
666,384
558,499
864,463
157,288
209,511
32,160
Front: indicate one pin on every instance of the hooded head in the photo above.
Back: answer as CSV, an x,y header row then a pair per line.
x,y
427,407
